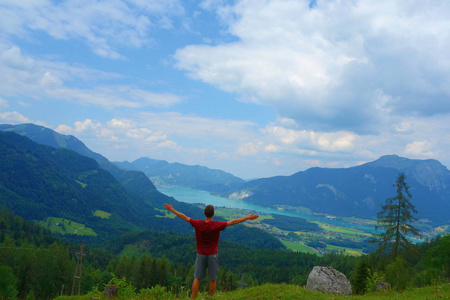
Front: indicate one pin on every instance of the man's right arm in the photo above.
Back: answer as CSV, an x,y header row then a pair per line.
x,y
243,219
169,207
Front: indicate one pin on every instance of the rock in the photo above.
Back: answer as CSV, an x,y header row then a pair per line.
x,y
111,291
383,286
328,280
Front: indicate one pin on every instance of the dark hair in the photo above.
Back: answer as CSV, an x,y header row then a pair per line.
x,y
209,211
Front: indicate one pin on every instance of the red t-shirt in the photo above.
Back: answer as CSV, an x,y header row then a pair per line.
x,y
207,235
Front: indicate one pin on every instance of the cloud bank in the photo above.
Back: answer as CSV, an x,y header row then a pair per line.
x,y
339,65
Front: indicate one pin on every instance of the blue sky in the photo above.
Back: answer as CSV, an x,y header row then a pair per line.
x,y
256,88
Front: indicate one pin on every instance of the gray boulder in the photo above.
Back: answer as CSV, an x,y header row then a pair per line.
x,y
383,286
328,280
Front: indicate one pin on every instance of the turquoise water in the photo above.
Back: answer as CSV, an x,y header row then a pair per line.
x,y
189,195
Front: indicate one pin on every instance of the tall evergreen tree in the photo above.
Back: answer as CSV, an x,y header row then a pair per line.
x,y
361,276
8,283
395,220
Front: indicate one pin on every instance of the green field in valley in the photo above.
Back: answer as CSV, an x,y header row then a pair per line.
x,y
302,240
296,246
64,226
102,214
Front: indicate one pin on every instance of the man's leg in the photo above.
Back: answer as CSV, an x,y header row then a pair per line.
x,y
213,270
212,287
199,273
195,285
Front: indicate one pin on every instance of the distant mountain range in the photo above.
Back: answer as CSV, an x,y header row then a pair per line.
x,y
357,191
176,174
52,179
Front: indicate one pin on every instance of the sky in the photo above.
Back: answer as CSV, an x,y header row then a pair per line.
x,y
257,88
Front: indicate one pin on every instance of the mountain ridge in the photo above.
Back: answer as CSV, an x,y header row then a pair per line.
x,y
356,191
178,174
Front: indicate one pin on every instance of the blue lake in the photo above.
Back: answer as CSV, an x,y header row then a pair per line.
x,y
189,195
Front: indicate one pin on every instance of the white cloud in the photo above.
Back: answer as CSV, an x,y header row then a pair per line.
x,y
123,123
196,127
419,148
304,139
86,125
13,117
3,103
168,145
272,148
38,78
339,66
313,162
170,136
249,149
118,132
104,26
63,129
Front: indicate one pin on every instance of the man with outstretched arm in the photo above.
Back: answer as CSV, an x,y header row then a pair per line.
x,y
207,235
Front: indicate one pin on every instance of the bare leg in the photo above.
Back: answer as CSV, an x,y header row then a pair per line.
x,y
212,287
195,286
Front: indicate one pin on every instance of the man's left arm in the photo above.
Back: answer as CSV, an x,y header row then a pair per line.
x,y
169,207
243,219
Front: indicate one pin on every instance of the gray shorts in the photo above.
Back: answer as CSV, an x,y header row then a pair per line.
x,y
206,261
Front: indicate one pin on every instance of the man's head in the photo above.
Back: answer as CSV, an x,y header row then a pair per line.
x,y
209,211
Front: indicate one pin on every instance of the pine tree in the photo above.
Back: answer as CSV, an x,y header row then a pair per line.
x,y
398,273
362,273
395,219
8,283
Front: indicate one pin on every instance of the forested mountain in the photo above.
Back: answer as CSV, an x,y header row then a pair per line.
x,y
38,181
134,182
357,191
125,172
198,177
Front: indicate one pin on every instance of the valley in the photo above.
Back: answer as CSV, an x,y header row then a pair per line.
x,y
349,235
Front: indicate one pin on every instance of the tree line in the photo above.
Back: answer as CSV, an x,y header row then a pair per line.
x,y
36,265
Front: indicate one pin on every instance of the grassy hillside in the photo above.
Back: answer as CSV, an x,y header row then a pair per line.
x,y
285,291
63,226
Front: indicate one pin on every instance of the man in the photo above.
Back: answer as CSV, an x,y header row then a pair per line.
x,y
207,235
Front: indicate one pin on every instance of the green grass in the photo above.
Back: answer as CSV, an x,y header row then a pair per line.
x,y
298,247
343,230
132,250
63,226
350,251
295,292
102,214
166,213
83,185
232,213
285,291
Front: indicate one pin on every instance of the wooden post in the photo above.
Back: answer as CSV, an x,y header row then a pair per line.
x,y
78,269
